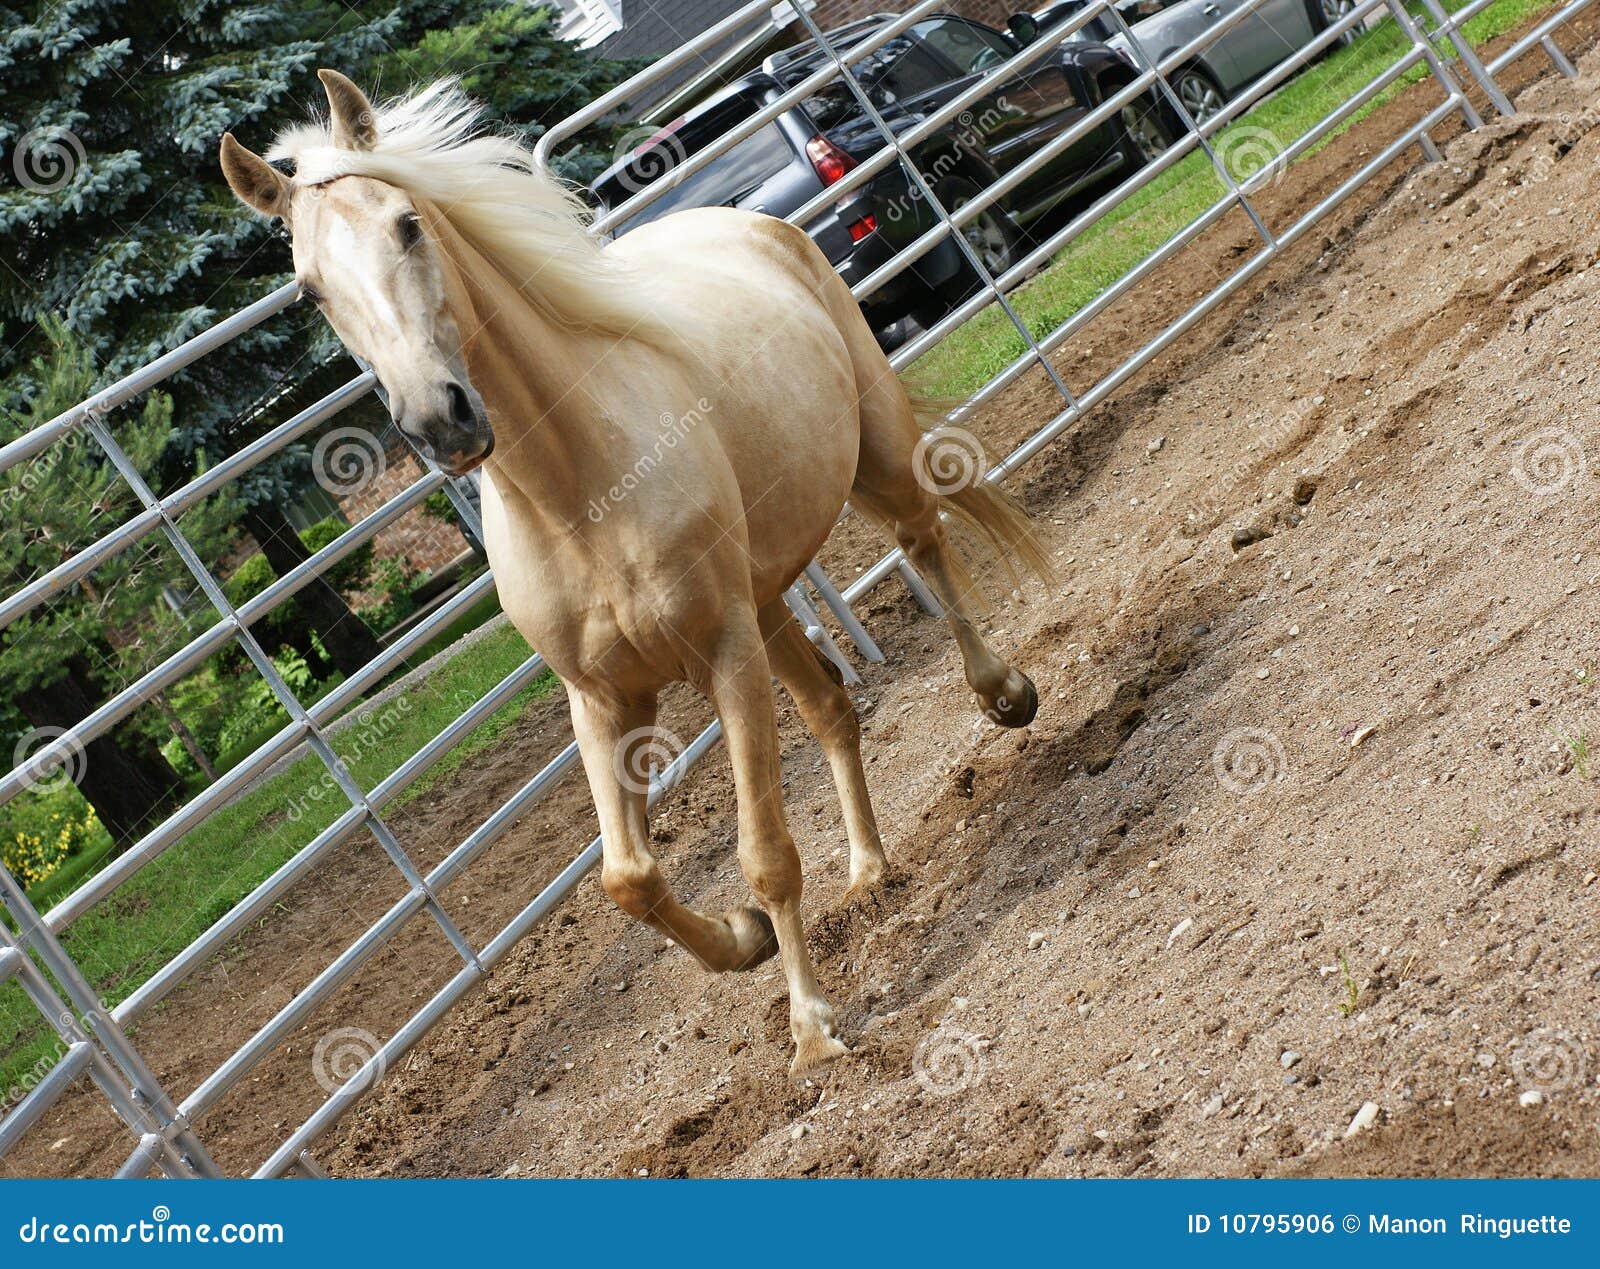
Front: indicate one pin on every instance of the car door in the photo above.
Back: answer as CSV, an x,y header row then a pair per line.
x,y
1179,23
1024,114
1276,29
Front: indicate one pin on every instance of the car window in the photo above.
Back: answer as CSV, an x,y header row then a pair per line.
x,y
730,178
899,70
972,48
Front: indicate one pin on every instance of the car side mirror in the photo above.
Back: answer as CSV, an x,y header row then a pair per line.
x,y
1024,27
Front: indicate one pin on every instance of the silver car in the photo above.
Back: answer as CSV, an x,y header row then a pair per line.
x,y
1248,50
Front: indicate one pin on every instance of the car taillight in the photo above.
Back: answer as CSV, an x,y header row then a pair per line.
x,y
861,228
829,160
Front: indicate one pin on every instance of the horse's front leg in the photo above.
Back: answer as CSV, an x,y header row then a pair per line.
x,y
740,687
614,739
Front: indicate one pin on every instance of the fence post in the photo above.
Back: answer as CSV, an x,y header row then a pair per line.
x,y
1435,63
1469,56
1146,62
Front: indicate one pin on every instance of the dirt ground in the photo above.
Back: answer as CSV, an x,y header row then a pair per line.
x,y
1303,835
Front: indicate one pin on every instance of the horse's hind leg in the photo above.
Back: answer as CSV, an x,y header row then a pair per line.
x,y
614,738
830,715
888,489
739,682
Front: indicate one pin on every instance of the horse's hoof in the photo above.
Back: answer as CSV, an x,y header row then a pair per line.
x,y
814,1051
755,940
1015,711
870,877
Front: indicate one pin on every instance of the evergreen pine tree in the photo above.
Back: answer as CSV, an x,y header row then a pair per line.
x,y
114,218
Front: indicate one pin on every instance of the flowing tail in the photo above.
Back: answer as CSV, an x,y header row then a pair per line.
x,y
951,461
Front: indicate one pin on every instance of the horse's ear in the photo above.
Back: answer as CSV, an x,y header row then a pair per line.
x,y
257,183
349,112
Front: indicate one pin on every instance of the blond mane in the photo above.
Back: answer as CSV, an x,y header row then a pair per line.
x,y
434,145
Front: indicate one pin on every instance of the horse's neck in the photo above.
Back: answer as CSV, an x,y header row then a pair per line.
x,y
530,372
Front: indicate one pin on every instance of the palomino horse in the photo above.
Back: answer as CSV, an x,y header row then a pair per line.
x,y
504,335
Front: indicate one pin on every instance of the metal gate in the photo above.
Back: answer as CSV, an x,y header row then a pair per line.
x,y
94,1039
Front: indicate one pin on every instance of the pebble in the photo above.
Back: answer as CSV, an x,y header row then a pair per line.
x,y
1212,1108
1180,929
1533,1097
1036,940
1361,734
1365,1118
1288,1059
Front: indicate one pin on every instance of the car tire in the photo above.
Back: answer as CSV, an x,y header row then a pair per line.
x,y
1199,92
1324,13
992,234
1145,134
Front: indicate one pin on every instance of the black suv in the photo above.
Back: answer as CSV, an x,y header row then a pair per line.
x,y
804,150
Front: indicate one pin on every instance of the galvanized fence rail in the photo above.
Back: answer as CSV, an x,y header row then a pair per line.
x,y
94,1039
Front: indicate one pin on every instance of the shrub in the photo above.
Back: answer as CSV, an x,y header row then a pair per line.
x,y
397,584
35,845
438,505
351,573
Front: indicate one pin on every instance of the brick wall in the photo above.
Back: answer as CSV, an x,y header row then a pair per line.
x,y
425,543
832,13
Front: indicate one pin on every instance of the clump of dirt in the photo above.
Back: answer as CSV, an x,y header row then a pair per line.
x,y
1305,822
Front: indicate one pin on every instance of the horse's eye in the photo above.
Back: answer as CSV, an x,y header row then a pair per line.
x,y
410,231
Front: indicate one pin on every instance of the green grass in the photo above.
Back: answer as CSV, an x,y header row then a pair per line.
x,y
988,343
175,898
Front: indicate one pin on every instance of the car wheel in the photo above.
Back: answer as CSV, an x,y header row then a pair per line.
x,y
1144,131
1325,13
992,235
1199,93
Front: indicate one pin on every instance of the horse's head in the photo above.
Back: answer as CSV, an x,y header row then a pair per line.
x,y
363,254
